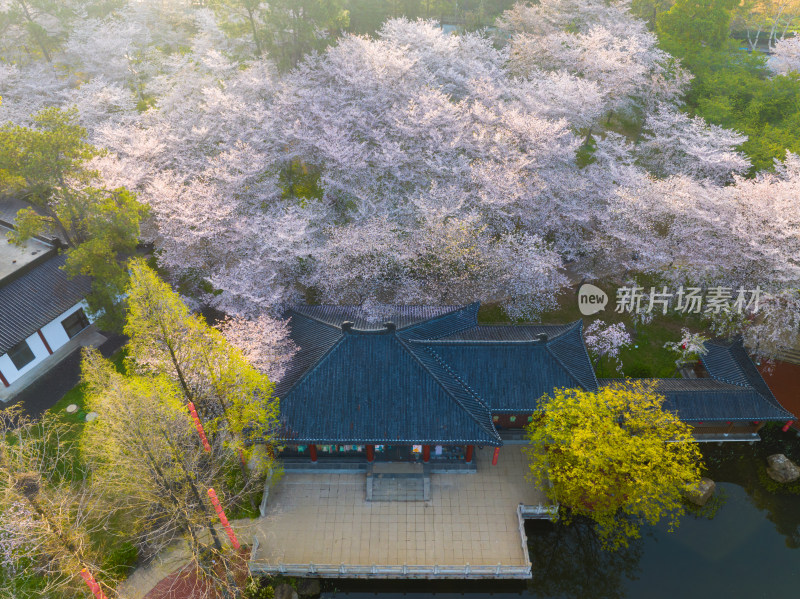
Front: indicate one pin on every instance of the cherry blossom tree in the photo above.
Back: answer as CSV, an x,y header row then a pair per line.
x,y
785,56
674,143
264,341
606,340
596,41
689,348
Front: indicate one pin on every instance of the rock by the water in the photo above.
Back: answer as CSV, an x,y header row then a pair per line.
x,y
781,469
309,587
702,492
285,591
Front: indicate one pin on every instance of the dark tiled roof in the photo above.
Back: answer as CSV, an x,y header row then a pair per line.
x,y
710,400
509,332
510,378
513,372
36,298
728,361
570,350
439,376
455,386
449,323
370,389
313,340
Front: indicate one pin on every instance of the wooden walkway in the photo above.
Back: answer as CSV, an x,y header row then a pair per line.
x,y
471,527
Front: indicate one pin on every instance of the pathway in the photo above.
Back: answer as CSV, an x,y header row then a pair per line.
x,y
175,557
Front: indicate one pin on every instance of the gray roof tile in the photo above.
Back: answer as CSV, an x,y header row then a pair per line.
x,y
35,298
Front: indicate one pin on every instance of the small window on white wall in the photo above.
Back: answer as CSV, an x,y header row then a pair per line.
x,y
21,355
75,323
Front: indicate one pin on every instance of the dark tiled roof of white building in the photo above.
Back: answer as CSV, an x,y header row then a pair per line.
x,y
35,298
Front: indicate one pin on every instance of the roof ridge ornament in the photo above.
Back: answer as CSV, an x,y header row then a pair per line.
x,y
391,327
347,326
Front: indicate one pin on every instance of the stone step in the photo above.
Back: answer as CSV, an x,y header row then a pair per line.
x,y
393,488
398,482
396,468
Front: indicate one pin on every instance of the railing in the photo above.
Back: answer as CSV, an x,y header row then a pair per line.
x,y
404,571
537,512
265,497
524,539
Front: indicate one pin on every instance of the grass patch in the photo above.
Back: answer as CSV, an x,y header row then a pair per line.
x,y
647,357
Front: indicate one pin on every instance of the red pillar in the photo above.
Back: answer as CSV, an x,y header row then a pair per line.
x,y
426,453
495,456
46,344
470,450
5,382
312,450
370,453
787,425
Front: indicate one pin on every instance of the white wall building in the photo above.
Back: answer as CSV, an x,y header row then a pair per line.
x,y
41,309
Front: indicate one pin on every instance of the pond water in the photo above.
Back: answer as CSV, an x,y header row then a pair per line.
x,y
746,543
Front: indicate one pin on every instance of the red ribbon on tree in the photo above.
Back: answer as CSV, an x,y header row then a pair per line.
x,y
223,519
199,426
93,585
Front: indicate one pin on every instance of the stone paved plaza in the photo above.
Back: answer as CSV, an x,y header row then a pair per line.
x,y
472,519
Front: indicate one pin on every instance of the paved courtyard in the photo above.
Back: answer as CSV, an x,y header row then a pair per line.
x,y
324,519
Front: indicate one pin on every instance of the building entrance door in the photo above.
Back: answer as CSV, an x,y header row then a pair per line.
x,y
398,453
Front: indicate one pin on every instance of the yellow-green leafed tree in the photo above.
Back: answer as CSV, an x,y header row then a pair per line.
x,y
615,456
233,398
145,454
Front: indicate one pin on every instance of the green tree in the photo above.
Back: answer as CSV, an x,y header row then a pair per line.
x,y
615,456
25,23
732,87
649,10
147,455
48,165
213,374
697,22
285,29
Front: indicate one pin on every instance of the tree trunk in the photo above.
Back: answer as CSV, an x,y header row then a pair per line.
x,y
255,31
36,33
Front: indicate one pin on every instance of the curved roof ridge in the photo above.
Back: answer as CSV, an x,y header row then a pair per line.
x,y
436,327
554,347
287,381
297,311
486,426
404,316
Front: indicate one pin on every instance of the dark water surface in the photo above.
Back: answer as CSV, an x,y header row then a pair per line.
x,y
746,543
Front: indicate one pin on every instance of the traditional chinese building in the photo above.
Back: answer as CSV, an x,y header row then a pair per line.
x,y
430,383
